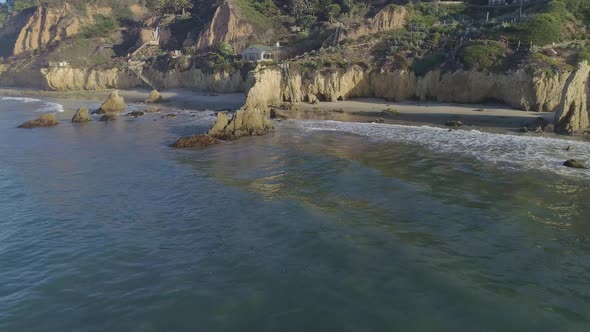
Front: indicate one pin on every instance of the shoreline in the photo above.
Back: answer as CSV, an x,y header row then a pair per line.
x,y
494,118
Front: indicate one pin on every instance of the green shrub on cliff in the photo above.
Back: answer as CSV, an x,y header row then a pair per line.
x,y
102,27
483,55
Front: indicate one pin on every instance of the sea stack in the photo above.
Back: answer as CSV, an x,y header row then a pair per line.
x,y
113,104
82,115
45,120
154,97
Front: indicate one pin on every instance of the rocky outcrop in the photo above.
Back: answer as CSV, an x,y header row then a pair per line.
x,y
245,122
45,120
113,104
194,141
154,97
82,115
227,26
572,114
48,25
389,18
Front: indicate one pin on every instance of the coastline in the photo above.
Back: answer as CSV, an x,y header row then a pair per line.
x,y
495,118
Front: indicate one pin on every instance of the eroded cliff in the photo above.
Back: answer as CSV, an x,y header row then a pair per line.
x,y
226,26
47,25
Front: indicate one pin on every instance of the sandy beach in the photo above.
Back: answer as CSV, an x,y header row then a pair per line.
x,y
489,117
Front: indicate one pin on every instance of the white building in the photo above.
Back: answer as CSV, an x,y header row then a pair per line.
x,y
257,53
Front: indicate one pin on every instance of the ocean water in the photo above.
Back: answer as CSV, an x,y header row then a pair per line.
x,y
321,226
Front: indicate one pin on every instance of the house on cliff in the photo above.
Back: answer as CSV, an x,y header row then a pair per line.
x,y
257,53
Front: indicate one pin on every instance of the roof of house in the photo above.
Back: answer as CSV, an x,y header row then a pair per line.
x,y
261,48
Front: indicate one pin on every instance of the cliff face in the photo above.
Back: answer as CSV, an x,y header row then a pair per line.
x,y
226,26
522,89
78,79
48,25
572,114
196,79
387,19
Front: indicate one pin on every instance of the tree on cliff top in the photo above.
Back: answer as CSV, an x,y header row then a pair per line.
x,y
172,6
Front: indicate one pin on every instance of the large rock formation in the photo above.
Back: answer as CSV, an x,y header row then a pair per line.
x,y
48,25
389,18
82,115
227,26
572,114
113,104
245,122
45,120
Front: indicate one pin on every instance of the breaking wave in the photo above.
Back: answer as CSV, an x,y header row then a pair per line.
x,y
514,152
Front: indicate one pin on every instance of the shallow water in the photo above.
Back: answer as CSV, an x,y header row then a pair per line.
x,y
322,226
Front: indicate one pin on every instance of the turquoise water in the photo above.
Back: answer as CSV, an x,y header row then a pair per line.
x,y
322,226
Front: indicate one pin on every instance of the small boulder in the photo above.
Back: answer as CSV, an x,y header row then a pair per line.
x,y
194,141
573,163
168,116
378,120
135,114
275,115
108,117
152,109
113,104
82,115
454,123
45,120
154,97
538,126
550,128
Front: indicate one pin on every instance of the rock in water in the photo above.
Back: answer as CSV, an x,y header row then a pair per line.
x,y
194,141
454,123
154,97
152,109
82,115
45,120
572,114
108,117
573,163
135,114
113,104
245,122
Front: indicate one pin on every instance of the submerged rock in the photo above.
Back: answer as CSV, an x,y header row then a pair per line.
x,y
82,115
113,104
194,141
454,123
108,117
168,116
45,120
136,114
154,97
245,122
573,163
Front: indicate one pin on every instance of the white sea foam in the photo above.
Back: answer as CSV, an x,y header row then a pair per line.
x,y
20,99
519,153
44,106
